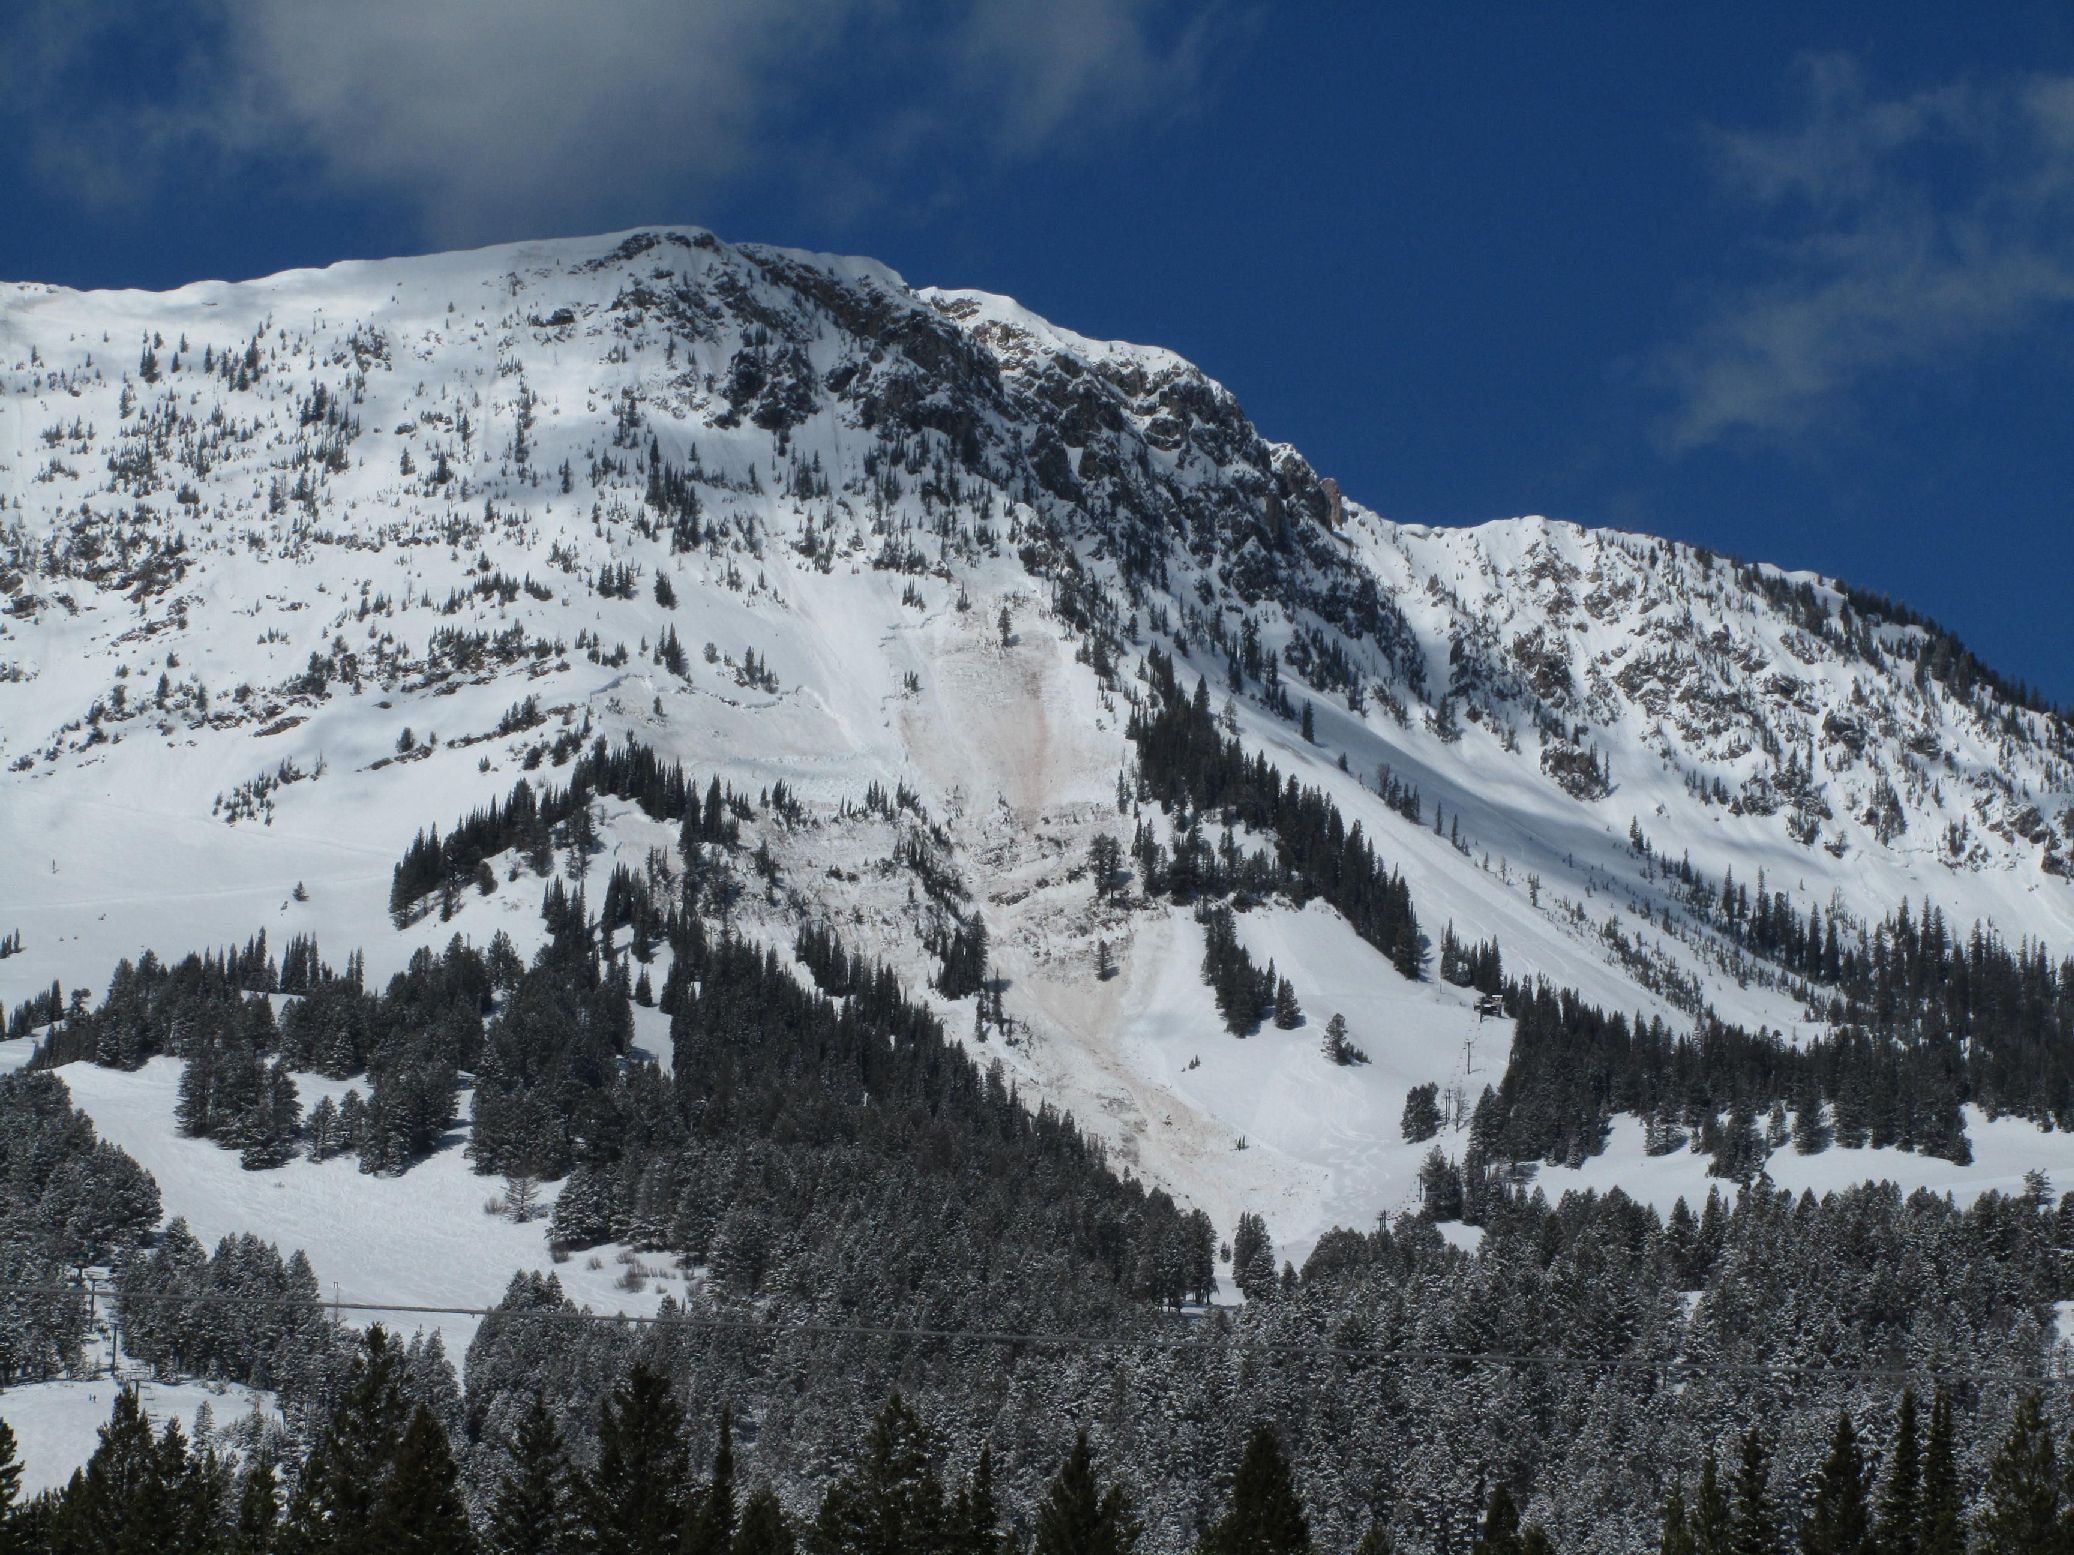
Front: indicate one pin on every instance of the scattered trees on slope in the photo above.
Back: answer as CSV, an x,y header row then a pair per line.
x,y
1196,771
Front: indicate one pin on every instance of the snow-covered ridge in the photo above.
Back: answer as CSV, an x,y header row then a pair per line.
x,y
1010,328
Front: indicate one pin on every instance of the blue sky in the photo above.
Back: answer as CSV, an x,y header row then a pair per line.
x,y
1794,281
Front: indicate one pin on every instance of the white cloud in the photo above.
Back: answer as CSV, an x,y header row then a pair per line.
x,y
531,106
1889,235
491,118
1053,68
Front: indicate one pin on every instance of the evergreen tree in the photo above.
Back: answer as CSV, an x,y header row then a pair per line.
x,y
1339,1047
192,1112
1751,1525
1407,954
532,1512
1941,1523
1440,1186
259,1509
1421,1113
13,1535
713,1517
421,1511
339,1493
1078,1517
1288,1013
2020,1504
1242,990
634,1499
1252,1256
978,1514
122,1502
322,1130
891,1502
1104,859
1810,1124
1677,1528
1265,1516
57,1522
201,1485
352,1122
1376,1541
264,1133
1837,1521
1901,1494
1501,1530
764,1530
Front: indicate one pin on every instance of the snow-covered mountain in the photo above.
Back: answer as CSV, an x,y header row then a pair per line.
x,y
294,568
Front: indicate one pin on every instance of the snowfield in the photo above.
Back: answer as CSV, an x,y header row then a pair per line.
x,y
419,1239
57,1424
2005,1150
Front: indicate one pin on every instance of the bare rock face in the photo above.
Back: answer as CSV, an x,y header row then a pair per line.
x,y
1578,773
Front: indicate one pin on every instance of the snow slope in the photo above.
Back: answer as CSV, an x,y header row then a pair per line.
x,y
225,596
2005,1150
57,1424
421,1239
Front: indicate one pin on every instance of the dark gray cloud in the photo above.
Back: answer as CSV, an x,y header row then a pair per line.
x,y
1888,234
494,117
